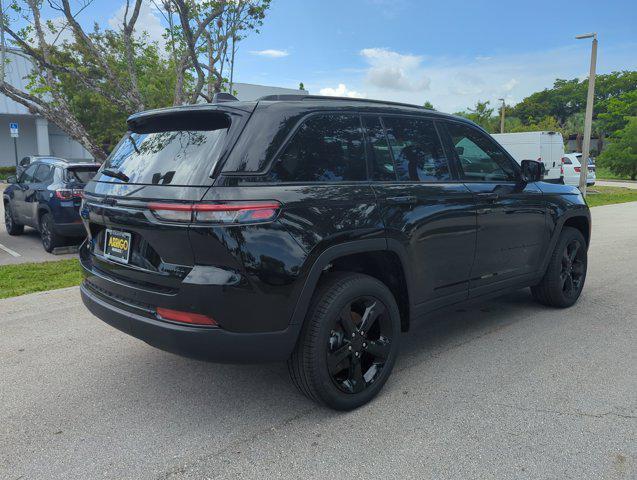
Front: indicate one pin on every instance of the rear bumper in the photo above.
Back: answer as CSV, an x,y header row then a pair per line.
x,y
203,343
70,229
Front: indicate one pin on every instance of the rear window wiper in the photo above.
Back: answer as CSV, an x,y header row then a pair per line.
x,y
115,174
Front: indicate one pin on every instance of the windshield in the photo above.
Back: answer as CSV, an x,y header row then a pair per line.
x,y
81,175
176,157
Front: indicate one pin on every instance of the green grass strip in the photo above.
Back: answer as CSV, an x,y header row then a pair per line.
x,y
597,195
23,278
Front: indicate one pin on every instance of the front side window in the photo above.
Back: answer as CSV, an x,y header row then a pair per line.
x,y
416,148
480,158
27,175
325,148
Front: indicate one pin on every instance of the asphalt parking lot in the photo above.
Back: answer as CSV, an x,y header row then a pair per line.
x,y
504,389
26,247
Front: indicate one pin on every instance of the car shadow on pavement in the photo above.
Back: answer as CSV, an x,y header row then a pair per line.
x,y
193,391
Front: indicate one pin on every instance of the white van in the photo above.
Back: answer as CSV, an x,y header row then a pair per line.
x,y
547,147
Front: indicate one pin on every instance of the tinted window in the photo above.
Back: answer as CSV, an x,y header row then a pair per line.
x,y
380,156
176,157
480,158
43,174
27,175
81,175
326,148
417,152
566,161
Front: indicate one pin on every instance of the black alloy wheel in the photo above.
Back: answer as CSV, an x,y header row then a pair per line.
x,y
359,344
349,341
565,275
12,227
50,239
573,268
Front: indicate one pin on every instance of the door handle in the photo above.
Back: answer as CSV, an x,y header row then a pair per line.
x,y
403,200
488,196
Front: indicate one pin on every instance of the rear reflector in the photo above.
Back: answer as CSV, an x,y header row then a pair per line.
x,y
235,212
185,317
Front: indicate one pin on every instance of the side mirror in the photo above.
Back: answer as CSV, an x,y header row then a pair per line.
x,y
12,179
532,171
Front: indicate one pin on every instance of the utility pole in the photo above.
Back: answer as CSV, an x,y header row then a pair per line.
x,y
501,115
588,117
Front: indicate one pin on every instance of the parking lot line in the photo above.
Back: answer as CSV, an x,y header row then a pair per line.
x,y
13,253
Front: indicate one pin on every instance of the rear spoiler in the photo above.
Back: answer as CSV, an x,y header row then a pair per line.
x,y
559,181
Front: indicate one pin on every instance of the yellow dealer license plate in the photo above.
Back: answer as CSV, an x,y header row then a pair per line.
x,y
117,245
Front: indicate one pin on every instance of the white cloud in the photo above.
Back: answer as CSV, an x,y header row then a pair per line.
x,y
395,71
148,22
510,85
455,83
270,53
340,91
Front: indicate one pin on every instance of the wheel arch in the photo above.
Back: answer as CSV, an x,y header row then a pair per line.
x,y
378,258
42,209
579,219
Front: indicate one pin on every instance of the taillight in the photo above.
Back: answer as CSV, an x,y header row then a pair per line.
x,y
233,212
68,193
185,317
577,169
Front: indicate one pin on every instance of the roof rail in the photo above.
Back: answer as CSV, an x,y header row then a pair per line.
x,y
273,98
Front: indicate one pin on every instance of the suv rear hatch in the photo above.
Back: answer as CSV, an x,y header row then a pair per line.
x,y
168,156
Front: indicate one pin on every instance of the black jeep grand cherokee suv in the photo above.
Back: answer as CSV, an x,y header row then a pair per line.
x,y
315,230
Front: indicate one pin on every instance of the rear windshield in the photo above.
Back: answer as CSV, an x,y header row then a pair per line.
x,y
166,155
81,174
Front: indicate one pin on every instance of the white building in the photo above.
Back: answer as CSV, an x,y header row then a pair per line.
x,y
39,137
249,91
36,135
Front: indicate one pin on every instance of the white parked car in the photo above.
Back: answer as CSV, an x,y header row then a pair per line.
x,y
572,166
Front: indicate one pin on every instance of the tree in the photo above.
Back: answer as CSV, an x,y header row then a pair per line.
x,y
109,74
620,157
428,105
301,86
482,115
568,97
209,31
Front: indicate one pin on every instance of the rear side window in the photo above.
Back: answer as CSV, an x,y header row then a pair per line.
x,y
171,151
325,148
380,157
566,161
416,148
481,159
43,174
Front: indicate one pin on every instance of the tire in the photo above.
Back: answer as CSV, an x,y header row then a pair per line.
x,y
349,342
50,239
13,228
564,279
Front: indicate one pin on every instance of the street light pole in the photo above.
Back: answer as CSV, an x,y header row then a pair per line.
x,y
588,117
2,47
501,115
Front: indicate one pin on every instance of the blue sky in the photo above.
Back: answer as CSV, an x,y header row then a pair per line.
x,y
449,52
